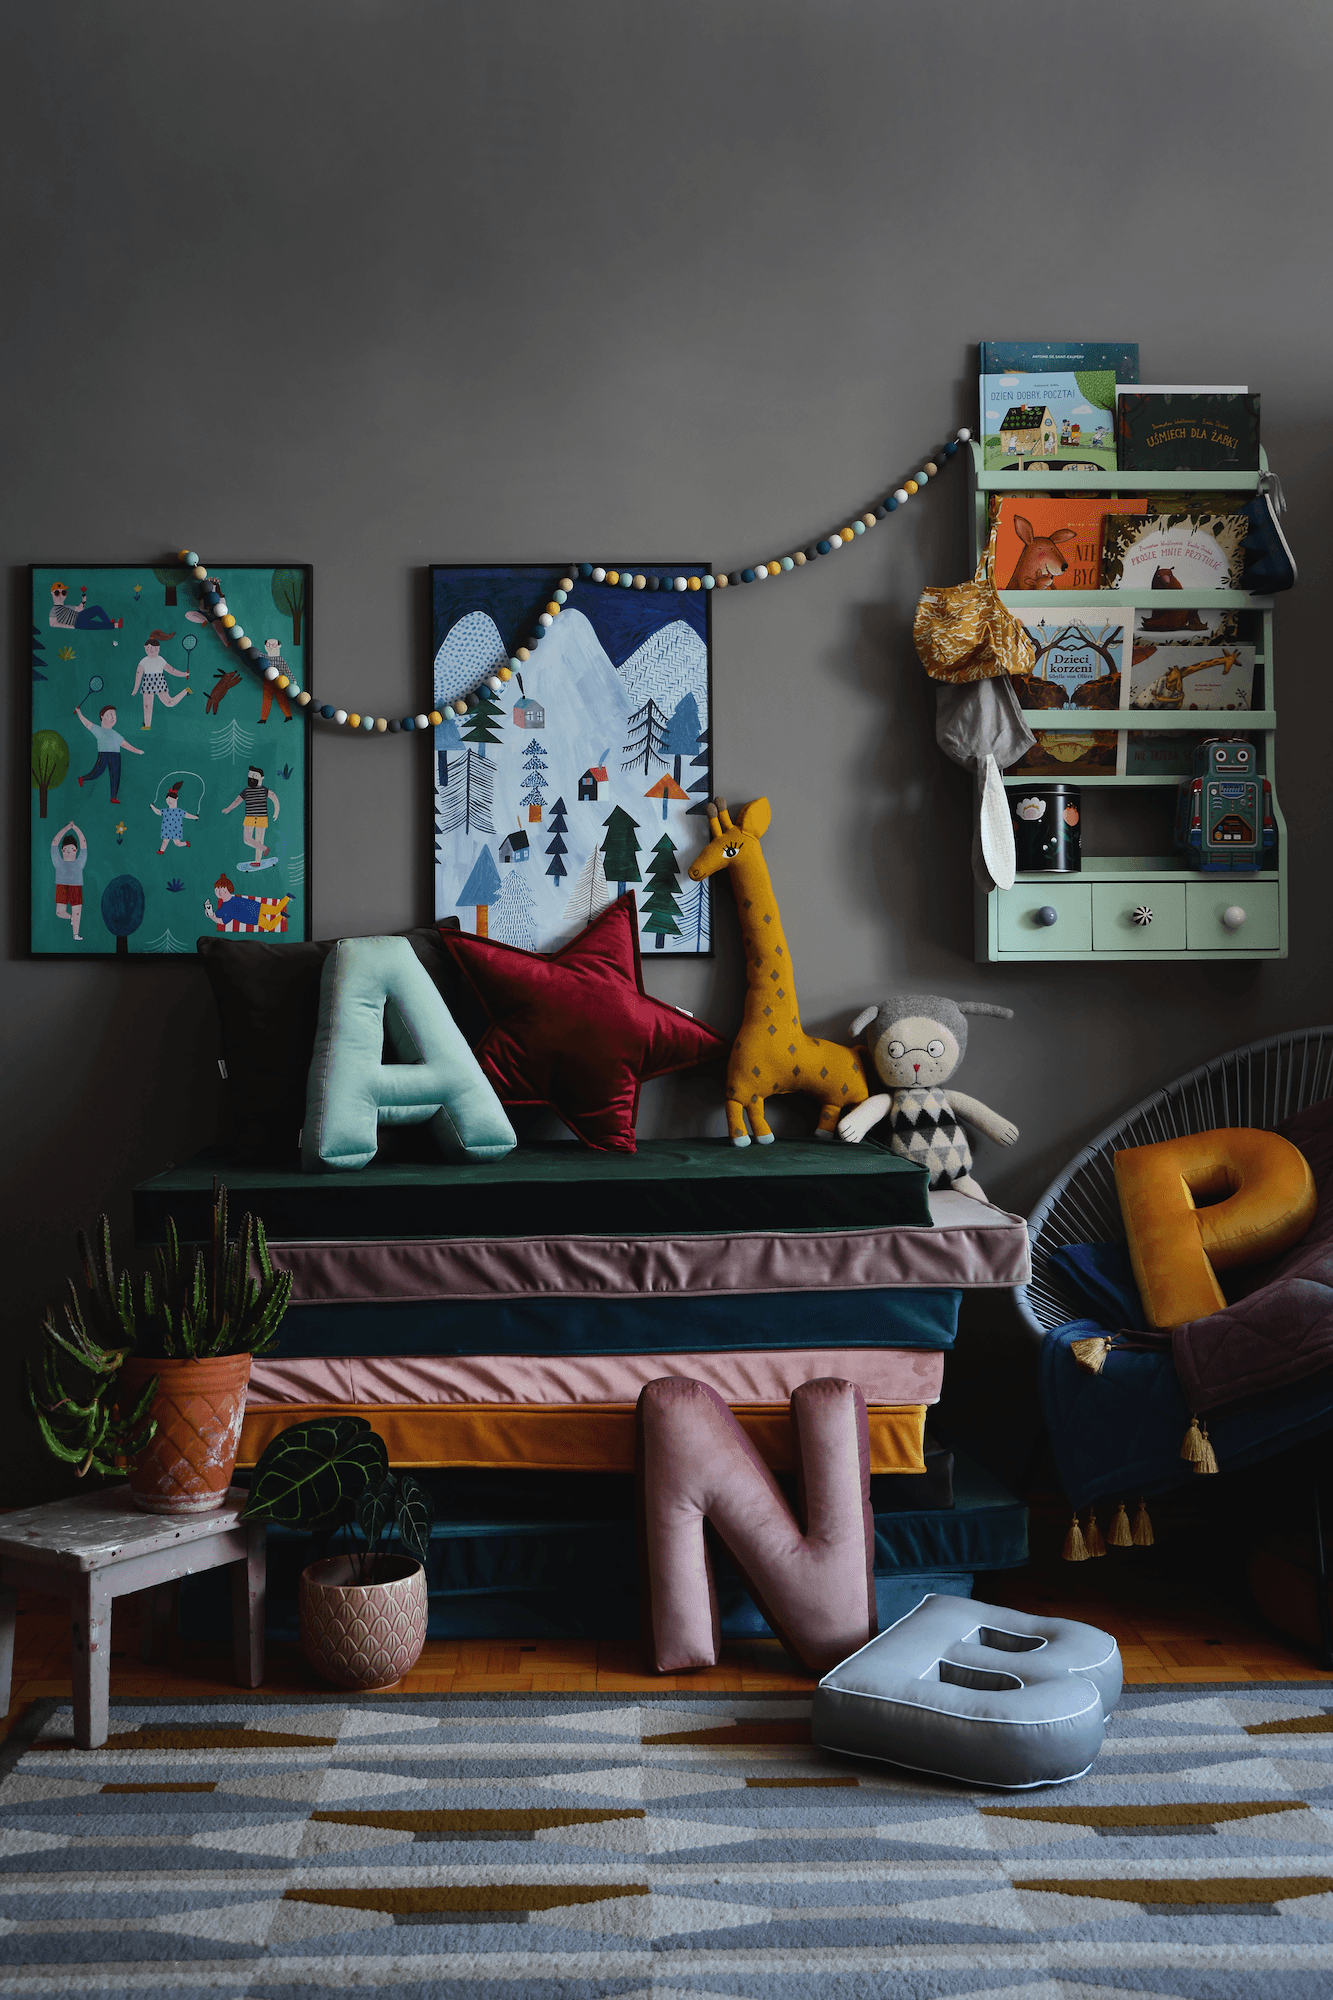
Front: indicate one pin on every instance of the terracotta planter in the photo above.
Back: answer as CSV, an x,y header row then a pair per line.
x,y
363,1635
199,1408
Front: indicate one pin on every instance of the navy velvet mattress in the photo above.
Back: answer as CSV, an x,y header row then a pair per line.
x,y
558,1573
669,1325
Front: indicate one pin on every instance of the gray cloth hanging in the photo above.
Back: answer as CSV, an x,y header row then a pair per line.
x,y
980,726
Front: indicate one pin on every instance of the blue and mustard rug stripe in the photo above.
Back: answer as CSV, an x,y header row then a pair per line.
x,y
591,1846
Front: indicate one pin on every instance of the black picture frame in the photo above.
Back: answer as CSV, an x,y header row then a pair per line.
x,y
512,595
104,652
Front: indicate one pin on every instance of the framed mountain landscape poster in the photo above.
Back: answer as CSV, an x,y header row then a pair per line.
x,y
586,770
170,789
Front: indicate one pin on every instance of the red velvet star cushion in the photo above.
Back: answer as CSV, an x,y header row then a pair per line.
x,y
574,1029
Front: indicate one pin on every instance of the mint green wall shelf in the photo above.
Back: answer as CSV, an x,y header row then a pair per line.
x,y
1094,909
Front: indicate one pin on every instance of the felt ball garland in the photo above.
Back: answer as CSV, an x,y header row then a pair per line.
x,y
213,603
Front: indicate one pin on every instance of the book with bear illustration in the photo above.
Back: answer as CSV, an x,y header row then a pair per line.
x,y
1178,548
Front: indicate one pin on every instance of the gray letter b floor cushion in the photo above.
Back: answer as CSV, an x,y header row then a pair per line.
x,y
974,1692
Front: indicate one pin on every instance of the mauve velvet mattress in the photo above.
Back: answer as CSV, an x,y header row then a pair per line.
x,y
965,1244
886,1375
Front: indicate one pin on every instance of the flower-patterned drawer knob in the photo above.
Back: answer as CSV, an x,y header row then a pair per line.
x,y
1142,914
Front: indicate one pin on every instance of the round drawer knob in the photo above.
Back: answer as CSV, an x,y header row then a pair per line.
x,y
1047,915
1233,917
1142,914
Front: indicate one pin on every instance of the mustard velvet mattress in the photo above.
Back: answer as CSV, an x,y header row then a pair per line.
x,y
589,1437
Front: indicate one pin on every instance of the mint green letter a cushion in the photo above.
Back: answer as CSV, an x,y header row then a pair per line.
x,y
371,985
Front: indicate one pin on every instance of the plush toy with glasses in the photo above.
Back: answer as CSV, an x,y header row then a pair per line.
x,y
915,1044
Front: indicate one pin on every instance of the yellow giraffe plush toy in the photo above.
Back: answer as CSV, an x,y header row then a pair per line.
x,y
772,1053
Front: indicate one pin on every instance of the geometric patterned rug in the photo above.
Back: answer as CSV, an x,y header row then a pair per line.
x,y
512,1847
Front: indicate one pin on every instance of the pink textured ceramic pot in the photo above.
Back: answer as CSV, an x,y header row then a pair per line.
x,y
199,1406
363,1636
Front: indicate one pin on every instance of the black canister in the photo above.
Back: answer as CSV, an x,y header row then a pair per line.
x,y
1046,829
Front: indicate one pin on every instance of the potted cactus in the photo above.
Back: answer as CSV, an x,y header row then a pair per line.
x,y
152,1385
362,1613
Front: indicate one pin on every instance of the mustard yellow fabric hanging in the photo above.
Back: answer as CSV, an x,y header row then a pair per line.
x,y
963,632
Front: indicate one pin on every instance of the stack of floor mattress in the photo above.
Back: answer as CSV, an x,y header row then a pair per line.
x,y
507,1313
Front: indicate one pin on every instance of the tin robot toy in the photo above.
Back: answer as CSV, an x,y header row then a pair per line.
x,y
1224,813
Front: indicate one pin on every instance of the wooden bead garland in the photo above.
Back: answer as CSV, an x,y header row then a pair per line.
x,y
214,605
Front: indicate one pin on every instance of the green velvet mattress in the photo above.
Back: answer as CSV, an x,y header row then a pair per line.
x,y
669,1187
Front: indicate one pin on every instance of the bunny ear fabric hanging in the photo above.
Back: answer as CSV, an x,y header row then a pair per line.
x,y
979,725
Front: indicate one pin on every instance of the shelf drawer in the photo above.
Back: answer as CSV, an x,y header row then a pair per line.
x,y
1205,902
1113,907
1019,929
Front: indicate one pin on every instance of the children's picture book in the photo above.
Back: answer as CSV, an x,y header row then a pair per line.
x,y
1187,431
170,781
1189,549
1171,675
1191,623
1080,663
1052,403
1186,672
1054,543
1069,753
588,772
1080,660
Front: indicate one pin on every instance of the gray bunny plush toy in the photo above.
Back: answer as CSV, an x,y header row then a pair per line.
x,y
916,1044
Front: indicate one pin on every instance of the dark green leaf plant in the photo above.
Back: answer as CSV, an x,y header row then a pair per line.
x,y
196,1309
333,1472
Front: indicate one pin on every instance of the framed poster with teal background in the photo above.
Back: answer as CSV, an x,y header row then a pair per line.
x,y
170,786
586,769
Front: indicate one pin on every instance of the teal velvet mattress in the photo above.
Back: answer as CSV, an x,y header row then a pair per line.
x,y
668,1187
679,1324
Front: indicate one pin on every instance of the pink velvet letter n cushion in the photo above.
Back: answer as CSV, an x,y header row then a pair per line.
x,y
817,1589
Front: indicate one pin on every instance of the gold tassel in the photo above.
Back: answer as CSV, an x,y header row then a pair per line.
x,y
1208,1457
1192,1447
1093,1536
1120,1535
1075,1549
1143,1534
1091,1353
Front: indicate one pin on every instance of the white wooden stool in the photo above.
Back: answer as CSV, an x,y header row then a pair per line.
x,y
99,1547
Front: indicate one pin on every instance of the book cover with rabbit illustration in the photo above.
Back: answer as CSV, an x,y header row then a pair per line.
x,y
1052,403
1054,544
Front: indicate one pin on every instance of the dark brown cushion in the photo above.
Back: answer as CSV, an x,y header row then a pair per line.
x,y
267,997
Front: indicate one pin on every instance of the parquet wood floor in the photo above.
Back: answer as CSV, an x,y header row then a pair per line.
x,y
1167,1631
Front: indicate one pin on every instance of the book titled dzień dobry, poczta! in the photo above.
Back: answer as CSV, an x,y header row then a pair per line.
x,y
1052,402
1200,432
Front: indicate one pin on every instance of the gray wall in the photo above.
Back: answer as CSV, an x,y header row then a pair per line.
x,y
376,285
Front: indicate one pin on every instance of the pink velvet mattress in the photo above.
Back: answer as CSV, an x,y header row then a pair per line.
x,y
971,1245
884,1375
